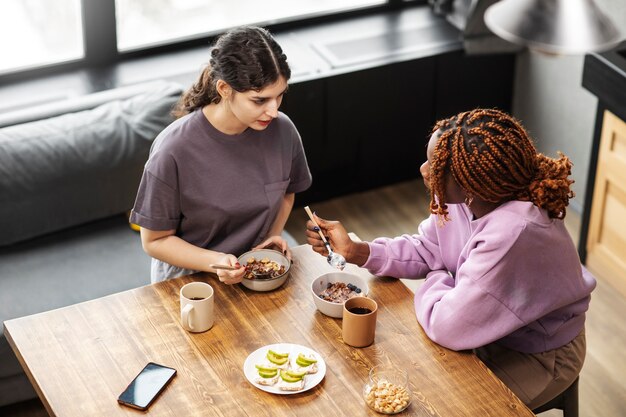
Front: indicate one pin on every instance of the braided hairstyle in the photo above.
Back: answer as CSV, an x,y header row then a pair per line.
x,y
246,58
490,155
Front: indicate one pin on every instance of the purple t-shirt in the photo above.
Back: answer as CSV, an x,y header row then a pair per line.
x,y
512,277
220,192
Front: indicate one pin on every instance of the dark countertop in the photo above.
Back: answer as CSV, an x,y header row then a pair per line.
x,y
604,75
318,51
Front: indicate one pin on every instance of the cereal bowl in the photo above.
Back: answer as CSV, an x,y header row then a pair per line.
x,y
387,391
272,257
321,283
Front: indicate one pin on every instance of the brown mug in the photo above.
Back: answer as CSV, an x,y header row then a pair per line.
x,y
359,321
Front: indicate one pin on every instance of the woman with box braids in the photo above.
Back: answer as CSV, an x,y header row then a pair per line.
x,y
491,157
221,179
503,276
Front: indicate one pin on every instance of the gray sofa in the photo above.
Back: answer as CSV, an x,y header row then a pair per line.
x,y
69,172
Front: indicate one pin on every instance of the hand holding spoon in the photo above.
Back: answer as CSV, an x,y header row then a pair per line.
x,y
226,267
334,259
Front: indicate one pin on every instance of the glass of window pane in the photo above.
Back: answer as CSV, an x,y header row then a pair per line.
x,y
39,32
142,23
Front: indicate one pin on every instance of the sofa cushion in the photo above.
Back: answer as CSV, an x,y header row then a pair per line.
x,y
79,167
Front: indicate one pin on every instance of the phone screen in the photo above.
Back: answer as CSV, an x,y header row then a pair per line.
x,y
146,386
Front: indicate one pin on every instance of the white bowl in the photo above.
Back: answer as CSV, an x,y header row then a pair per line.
x,y
265,284
320,283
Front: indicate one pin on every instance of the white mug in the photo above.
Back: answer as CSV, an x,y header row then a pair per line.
x,y
196,307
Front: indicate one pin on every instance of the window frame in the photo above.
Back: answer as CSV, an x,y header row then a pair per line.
x,y
100,37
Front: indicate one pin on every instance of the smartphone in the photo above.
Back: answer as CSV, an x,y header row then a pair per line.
x,y
146,386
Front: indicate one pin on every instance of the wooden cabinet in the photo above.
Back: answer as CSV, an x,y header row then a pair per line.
x,y
606,240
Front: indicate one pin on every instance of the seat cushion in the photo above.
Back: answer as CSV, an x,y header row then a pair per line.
x,y
71,266
78,167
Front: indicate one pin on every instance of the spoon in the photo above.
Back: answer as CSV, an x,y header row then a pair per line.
x,y
226,267
334,259
257,275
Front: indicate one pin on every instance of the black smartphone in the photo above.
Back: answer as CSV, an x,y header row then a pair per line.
x,y
146,386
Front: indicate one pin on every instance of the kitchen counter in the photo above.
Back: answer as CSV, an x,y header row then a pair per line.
x,y
604,75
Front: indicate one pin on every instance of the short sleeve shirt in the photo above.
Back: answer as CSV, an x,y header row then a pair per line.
x,y
220,192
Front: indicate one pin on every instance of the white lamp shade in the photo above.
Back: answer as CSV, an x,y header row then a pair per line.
x,y
553,26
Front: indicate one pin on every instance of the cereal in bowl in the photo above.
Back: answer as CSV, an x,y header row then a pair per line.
x,y
386,397
263,268
339,292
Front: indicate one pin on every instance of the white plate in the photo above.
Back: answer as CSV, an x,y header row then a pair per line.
x,y
258,356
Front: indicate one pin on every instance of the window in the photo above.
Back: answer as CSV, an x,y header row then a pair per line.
x,y
38,37
37,33
143,23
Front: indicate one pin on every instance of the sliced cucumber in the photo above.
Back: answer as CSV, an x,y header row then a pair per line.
x,y
278,355
275,359
304,359
268,374
287,378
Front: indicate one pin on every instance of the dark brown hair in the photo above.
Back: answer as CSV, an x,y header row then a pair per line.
x,y
246,58
490,155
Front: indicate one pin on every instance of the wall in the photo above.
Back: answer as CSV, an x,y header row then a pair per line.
x,y
558,112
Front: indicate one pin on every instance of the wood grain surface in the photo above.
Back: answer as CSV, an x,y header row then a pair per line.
x,y
81,357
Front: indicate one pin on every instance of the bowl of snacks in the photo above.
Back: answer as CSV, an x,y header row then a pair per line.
x,y
387,390
266,269
331,290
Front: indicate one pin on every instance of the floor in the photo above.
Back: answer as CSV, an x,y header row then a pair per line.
x,y
397,209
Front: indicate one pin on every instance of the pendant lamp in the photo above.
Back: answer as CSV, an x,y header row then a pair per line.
x,y
553,26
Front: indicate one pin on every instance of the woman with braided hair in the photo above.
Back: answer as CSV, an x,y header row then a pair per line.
x,y
221,179
503,277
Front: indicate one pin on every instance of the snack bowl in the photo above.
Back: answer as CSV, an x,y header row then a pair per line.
x,y
319,284
387,390
265,284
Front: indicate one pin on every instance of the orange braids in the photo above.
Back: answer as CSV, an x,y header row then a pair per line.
x,y
491,156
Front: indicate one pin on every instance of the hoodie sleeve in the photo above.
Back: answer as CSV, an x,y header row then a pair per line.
x,y
461,316
462,312
407,256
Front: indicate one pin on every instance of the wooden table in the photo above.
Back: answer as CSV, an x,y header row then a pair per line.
x,y
80,358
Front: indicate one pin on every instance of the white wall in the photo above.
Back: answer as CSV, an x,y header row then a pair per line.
x,y
557,111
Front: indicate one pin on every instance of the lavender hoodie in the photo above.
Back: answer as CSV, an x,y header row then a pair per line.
x,y
512,277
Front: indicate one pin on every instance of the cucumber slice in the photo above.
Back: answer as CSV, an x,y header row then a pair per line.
x,y
278,355
275,359
296,374
308,361
301,363
266,374
287,378
266,368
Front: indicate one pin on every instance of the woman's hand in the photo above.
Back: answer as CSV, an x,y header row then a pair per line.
x,y
335,233
275,242
354,252
230,277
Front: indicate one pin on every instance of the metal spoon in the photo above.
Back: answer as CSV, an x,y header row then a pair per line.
x,y
334,259
257,275
226,267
